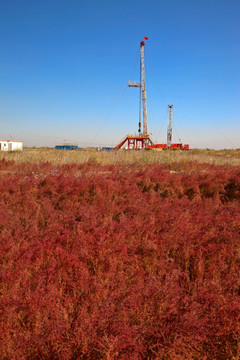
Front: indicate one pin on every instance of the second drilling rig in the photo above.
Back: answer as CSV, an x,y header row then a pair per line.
x,y
169,145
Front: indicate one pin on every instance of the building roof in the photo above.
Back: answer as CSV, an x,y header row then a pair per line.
x,y
11,141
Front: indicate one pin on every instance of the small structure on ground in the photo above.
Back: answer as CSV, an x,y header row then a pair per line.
x,y
11,145
66,146
106,148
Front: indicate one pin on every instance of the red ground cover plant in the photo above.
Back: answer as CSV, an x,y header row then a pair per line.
x,y
117,262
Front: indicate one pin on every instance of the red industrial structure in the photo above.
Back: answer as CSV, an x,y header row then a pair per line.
x,y
143,140
177,146
135,142
169,145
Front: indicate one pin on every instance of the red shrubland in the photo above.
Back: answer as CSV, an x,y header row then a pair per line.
x,y
113,262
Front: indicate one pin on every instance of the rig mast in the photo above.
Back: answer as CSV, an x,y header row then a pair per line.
x,y
144,97
142,140
142,87
170,125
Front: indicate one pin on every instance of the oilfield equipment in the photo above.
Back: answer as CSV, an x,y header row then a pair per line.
x,y
169,145
143,140
170,125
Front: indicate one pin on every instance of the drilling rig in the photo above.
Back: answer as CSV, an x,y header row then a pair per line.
x,y
142,140
170,125
169,145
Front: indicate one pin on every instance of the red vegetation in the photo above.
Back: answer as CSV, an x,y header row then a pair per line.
x,y
114,262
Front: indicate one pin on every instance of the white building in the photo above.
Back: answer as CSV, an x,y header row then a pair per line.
x,y
11,145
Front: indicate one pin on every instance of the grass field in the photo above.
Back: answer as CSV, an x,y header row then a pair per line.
x,y
118,256
220,157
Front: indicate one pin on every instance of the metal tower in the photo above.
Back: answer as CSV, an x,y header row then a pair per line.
x,y
144,97
142,87
170,125
141,141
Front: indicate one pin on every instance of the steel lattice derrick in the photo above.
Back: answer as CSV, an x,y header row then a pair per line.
x,y
170,125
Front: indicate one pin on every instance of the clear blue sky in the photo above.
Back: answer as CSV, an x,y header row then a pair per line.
x,y
64,67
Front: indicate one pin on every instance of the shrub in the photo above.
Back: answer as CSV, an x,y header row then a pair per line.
x,y
113,262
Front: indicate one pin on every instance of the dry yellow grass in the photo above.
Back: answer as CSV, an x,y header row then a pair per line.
x,y
223,157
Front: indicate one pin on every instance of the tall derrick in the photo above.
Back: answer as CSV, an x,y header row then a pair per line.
x,y
142,140
170,125
142,87
144,96
169,145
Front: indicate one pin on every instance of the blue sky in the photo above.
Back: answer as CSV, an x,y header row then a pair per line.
x,y
64,67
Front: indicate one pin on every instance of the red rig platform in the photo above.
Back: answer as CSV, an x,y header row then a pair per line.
x,y
135,142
